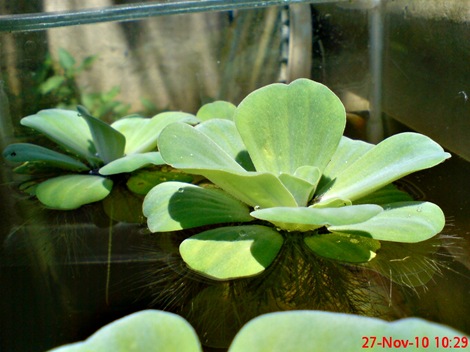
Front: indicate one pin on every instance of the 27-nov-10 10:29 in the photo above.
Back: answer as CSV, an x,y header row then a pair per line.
x,y
444,342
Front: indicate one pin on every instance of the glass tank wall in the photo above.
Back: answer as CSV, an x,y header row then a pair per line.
x,y
397,65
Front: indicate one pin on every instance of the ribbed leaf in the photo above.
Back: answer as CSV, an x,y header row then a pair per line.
x,y
141,133
256,189
225,135
306,219
72,191
144,331
188,149
348,151
131,163
109,142
285,127
400,222
393,158
172,206
231,252
184,147
216,110
21,152
318,331
65,128
300,189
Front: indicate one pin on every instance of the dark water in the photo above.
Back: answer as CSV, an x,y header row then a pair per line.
x,y
65,274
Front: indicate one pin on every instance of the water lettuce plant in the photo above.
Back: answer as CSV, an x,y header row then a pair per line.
x,y
152,330
91,153
278,166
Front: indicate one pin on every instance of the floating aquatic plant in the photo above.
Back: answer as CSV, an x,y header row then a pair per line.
x,y
153,330
279,166
91,154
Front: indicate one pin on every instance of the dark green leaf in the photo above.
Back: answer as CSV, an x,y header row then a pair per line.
x,y
21,152
343,247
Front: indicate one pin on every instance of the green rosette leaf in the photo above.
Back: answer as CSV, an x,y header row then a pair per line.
x,y
172,206
144,331
318,331
216,110
109,143
343,247
142,133
285,127
231,252
26,152
307,219
391,159
72,191
67,129
131,163
406,222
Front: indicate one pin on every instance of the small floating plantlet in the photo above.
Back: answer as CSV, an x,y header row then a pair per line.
x,y
280,166
91,154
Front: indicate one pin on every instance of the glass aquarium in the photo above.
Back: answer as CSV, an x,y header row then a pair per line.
x,y
397,66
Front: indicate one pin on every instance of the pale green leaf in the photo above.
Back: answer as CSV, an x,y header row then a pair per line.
x,y
285,127
348,151
407,222
131,163
300,189
144,331
306,219
65,128
343,247
216,110
225,135
312,331
72,191
142,133
256,189
231,252
308,173
21,152
109,142
172,206
184,147
388,161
